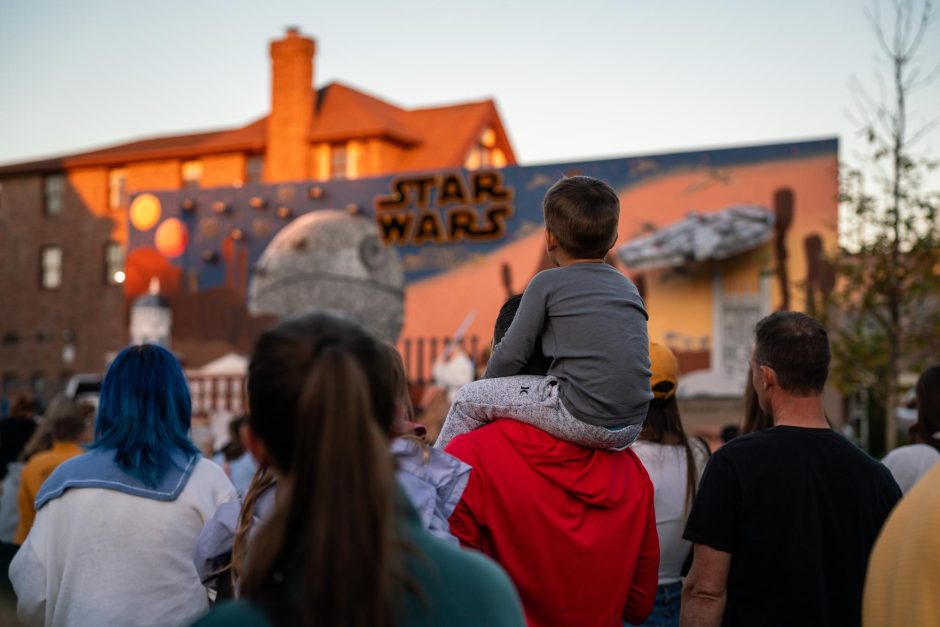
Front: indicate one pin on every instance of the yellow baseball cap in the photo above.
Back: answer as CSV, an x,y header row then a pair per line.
x,y
665,369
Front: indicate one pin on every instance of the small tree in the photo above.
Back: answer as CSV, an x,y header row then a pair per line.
x,y
888,299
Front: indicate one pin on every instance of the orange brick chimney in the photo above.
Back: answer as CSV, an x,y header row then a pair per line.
x,y
292,97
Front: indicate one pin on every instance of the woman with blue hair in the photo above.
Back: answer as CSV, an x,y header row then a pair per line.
x,y
115,528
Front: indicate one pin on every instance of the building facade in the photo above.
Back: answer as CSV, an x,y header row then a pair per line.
x,y
64,287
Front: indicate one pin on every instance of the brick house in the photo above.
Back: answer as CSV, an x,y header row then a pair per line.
x,y
63,221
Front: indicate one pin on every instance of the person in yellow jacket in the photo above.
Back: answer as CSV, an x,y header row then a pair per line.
x,y
70,424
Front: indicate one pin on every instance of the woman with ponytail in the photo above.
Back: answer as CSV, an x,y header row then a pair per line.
x,y
343,547
675,463
115,528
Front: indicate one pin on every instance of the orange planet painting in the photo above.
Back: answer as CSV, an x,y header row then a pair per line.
x,y
171,238
145,212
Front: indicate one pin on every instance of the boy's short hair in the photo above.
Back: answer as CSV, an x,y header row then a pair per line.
x,y
582,213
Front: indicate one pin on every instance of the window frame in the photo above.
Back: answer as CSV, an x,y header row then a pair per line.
x,y
254,159
335,173
122,200
191,165
44,267
58,193
109,270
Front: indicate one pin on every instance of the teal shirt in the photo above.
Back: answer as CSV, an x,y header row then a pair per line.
x,y
459,588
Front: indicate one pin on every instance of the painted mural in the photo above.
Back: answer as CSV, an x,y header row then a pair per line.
x,y
418,257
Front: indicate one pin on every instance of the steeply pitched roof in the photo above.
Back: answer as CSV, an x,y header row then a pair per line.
x,y
346,113
432,137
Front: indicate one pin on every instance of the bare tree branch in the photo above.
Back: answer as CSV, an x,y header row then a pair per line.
x,y
874,18
923,131
931,76
921,30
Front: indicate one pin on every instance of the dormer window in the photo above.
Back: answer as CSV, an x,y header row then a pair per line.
x,y
339,162
484,153
191,174
117,188
254,168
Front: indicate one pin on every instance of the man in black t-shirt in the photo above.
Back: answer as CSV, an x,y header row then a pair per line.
x,y
785,518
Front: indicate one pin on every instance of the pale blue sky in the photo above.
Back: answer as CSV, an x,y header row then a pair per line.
x,y
573,80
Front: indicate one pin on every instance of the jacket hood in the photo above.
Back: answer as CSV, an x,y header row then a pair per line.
x,y
595,477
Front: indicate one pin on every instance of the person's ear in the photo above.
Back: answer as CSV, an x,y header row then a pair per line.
x,y
551,243
768,377
255,446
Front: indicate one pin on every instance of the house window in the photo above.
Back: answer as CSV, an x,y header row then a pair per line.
x,y
254,168
53,187
113,263
192,173
117,188
339,162
484,153
51,267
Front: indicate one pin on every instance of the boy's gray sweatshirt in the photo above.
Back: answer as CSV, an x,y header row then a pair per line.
x,y
593,325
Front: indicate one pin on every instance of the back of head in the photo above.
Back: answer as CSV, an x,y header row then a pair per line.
x,y
69,420
41,438
144,412
322,401
663,423
234,448
23,408
927,428
538,363
796,347
280,378
505,317
583,214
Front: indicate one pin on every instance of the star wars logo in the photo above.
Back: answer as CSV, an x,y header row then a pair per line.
x,y
445,208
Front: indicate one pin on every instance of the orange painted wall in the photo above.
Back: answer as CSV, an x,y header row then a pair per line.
x,y
154,175
223,170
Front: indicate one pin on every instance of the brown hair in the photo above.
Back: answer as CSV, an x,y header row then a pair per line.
x,y
927,427
260,483
322,402
664,426
399,381
69,421
796,346
582,213
65,420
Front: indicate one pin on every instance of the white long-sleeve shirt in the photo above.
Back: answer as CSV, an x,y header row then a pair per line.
x,y
101,557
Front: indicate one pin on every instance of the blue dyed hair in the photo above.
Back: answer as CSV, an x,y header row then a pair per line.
x,y
145,412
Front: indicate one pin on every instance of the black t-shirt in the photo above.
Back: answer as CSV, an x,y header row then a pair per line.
x,y
799,510
14,434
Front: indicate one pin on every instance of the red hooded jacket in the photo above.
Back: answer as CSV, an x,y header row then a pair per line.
x,y
574,527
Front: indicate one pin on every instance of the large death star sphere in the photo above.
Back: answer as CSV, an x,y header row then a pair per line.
x,y
333,261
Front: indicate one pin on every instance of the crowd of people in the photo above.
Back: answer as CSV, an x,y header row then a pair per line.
x,y
562,491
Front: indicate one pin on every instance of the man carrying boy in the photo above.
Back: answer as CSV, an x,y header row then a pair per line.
x,y
574,527
592,324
